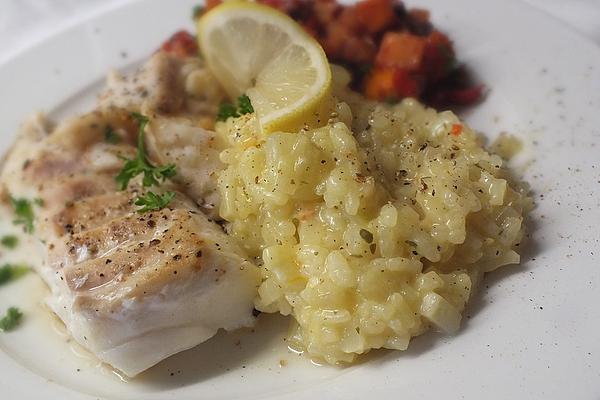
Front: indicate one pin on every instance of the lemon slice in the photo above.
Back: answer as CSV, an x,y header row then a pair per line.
x,y
256,50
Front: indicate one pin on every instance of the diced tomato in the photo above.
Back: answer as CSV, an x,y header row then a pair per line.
x,y
401,50
375,15
181,44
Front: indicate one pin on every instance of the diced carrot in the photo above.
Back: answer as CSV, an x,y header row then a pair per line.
x,y
401,50
181,44
375,15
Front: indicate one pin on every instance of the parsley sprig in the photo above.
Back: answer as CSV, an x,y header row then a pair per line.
x,y
11,320
227,110
152,201
10,272
153,175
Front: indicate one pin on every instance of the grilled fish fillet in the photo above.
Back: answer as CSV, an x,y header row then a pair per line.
x,y
182,97
132,288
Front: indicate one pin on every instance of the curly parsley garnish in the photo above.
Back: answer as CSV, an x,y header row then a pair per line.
x,y
24,213
153,175
11,320
227,110
9,241
151,201
10,272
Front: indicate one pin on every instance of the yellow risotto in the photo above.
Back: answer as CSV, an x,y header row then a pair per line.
x,y
373,228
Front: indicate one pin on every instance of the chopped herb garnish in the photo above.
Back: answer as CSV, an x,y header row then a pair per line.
x,y
11,320
24,213
141,165
9,241
151,201
110,136
244,105
366,235
9,272
38,201
227,110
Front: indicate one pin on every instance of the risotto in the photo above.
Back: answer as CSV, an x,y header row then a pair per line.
x,y
373,228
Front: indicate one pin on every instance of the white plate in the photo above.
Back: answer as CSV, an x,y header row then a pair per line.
x,y
531,333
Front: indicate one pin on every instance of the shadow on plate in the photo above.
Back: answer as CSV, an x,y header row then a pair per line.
x,y
530,248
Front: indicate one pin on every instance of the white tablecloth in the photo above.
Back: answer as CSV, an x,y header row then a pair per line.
x,y
25,22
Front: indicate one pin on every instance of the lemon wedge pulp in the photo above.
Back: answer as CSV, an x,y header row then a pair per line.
x,y
256,50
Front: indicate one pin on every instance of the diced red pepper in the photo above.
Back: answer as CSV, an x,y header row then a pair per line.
x,y
456,129
181,44
401,50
